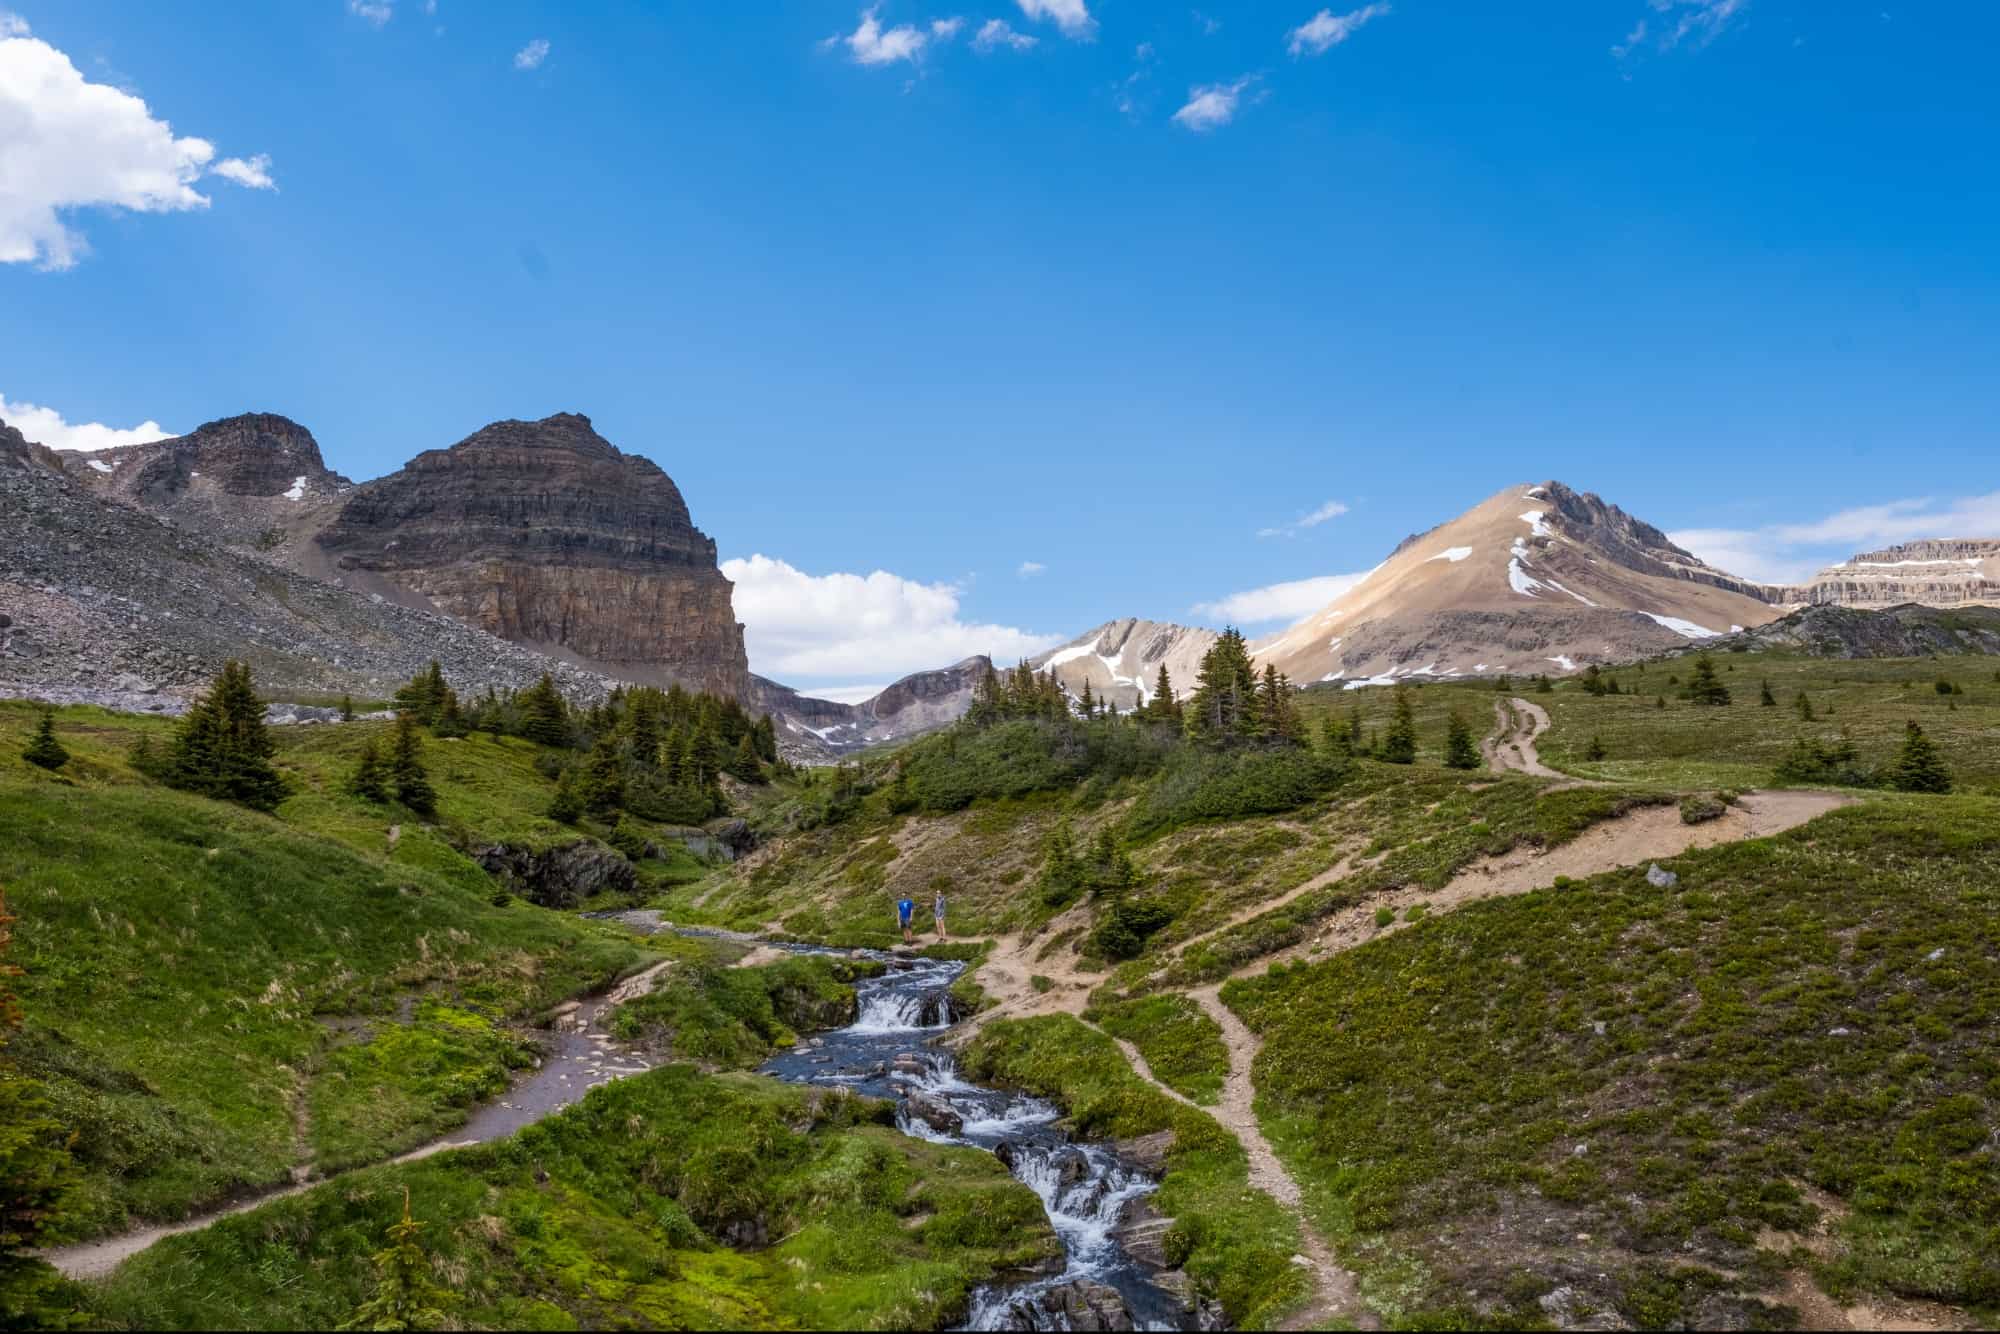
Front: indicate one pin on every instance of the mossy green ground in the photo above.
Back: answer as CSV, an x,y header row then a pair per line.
x,y
1665,1073
1236,1242
723,1017
215,997
1183,1047
618,1213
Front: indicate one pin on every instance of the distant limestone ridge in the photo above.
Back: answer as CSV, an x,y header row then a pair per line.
x,y
1538,578
546,534
1954,572
1121,660
818,729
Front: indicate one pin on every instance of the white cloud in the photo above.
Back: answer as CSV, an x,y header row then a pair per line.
x,y
251,173
67,143
532,55
860,694
800,625
1699,21
45,426
872,44
377,12
1030,568
1785,553
1332,509
1279,602
1326,29
1072,16
12,25
1212,105
944,30
997,32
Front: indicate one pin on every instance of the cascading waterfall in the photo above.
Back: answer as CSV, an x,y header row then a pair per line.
x,y
1086,1189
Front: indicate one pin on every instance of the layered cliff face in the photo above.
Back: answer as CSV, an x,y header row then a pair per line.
x,y
255,480
1535,579
546,534
1942,573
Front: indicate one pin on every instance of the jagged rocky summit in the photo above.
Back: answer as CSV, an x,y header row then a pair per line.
x,y
1121,660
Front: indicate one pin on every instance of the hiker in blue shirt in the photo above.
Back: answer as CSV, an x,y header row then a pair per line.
x,y
905,910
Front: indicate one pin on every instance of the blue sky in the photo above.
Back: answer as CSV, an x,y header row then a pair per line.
x,y
896,303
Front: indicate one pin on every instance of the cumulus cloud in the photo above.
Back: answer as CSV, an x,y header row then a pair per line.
x,y
997,32
1030,568
1212,105
1289,601
70,144
860,626
377,12
532,55
872,44
1326,30
45,426
1786,553
944,30
1332,509
1072,16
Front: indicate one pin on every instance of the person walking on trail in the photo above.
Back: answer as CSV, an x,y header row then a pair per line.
x,y
937,913
906,910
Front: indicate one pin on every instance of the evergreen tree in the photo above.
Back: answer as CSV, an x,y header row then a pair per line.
x,y
347,708
424,695
1088,703
765,735
1334,737
1595,751
745,765
1803,706
1659,701
566,807
222,748
1764,696
1503,685
406,768
1277,716
1223,705
987,699
1704,686
1399,743
602,786
704,762
642,727
1919,768
1543,685
544,716
406,1297
368,781
35,1174
1460,751
44,751
145,757
1163,705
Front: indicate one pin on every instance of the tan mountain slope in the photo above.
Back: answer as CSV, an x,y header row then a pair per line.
x,y
1534,579
1121,659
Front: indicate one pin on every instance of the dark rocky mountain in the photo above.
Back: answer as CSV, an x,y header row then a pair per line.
x,y
546,534
1907,631
104,602
818,729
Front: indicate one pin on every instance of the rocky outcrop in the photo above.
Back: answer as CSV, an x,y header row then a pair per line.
x,y
1082,1303
1121,660
1945,573
1909,631
544,533
558,877
99,596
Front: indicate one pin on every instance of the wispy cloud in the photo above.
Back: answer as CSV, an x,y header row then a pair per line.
x,y
1030,568
45,426
1291,601
1326,29
72,144
532,55
1696,22
860,626
1212,105
1332,509
377,12
943,30
997,32
872,44
1785,553
1072,16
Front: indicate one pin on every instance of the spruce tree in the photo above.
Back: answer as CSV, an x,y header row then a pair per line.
x,y
406,1296
1803,706
1222,707
544,716
602,786
1764,696
1399,743
222,748
1919,768
1162,705
1087,704
745,765
406,768
1460,751
1595,751
368,781
1543,685
566,807
35,1174
43,750
1704,686
347,708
